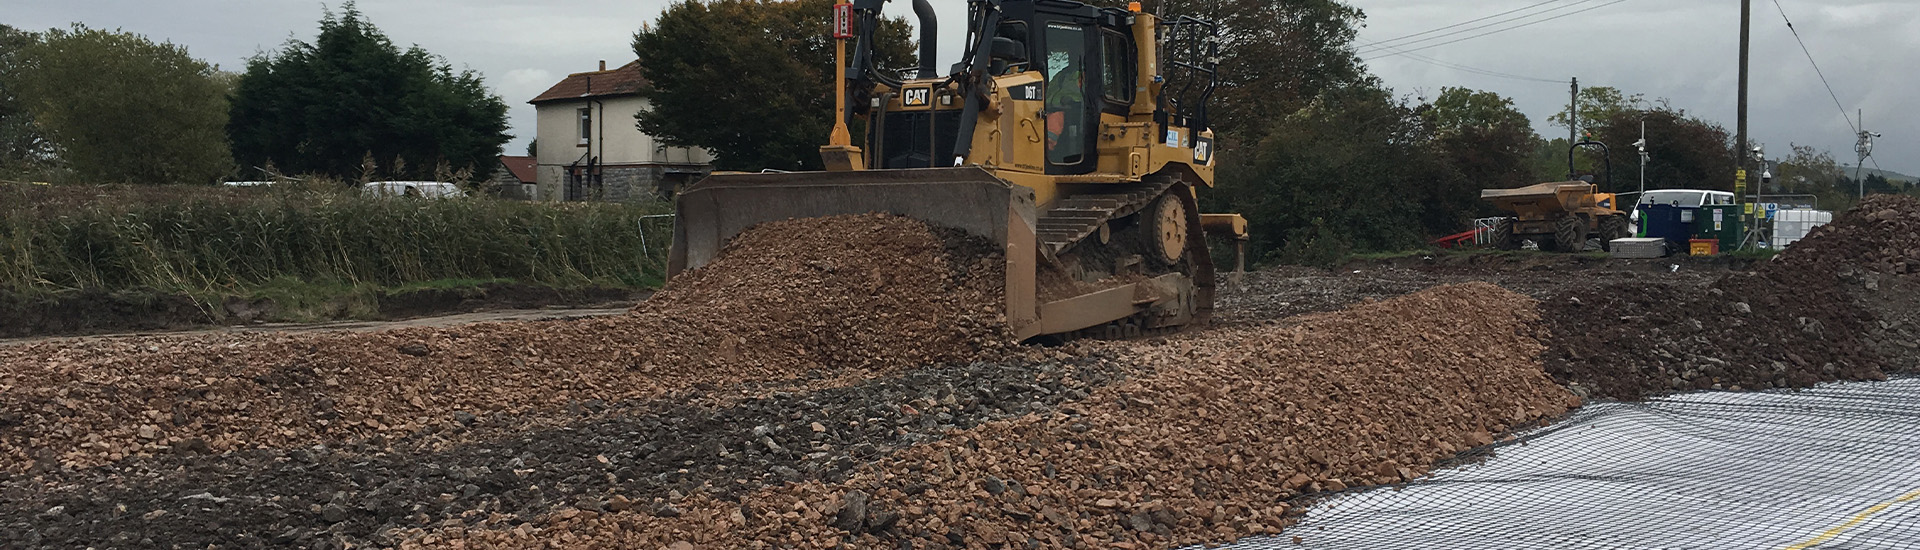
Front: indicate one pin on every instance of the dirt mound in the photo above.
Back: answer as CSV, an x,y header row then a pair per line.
x,y
842,297
1834,306
846,291
1880,234
95,311
1210,446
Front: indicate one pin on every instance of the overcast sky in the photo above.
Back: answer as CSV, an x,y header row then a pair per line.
x,y
1682,50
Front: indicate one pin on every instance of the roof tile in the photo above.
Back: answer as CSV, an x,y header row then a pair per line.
x,y
521,167
625,80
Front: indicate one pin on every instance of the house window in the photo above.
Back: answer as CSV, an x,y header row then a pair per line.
x,y
586,125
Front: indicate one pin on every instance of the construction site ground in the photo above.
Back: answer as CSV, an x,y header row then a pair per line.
x,y
814,396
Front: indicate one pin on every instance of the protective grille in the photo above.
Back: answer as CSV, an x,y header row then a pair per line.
x,y
909,141
1834,467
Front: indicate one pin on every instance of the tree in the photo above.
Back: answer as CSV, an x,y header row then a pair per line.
x,y
1485,143
326,106
1599,103
117,107
1276,56
21,145
1807,171
1683,151
750,80
1344,174
1549,159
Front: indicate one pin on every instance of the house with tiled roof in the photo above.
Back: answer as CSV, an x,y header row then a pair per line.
x,y
587,147
514,178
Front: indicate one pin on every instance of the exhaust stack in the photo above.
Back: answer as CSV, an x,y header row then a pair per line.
x,y
929,38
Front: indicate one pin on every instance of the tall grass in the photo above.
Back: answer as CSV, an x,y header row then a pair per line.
x,y
201,240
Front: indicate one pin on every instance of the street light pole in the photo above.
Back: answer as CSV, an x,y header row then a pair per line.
x,y
1643,156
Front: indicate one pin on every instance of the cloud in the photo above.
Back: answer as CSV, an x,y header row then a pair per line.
x,y
1686,52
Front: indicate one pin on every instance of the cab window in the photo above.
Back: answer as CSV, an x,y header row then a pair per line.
x,y
1014,32
1066,85
1117,81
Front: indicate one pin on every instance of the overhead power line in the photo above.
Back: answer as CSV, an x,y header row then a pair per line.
x,y
1816,68
1470,69
1488,25
1495,31
1383,43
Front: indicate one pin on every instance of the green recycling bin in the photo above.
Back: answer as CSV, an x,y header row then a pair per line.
x,y
1720,222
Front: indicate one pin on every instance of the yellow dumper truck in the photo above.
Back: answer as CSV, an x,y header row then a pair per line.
x,y
1558,216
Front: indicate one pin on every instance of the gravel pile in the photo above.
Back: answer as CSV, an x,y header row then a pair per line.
x,y
1211,442
1839,305
646,456
844,297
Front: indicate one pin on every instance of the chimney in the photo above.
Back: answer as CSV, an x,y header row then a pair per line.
x,y
603,64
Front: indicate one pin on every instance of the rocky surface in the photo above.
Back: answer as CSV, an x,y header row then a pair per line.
x,y
846,383
644,457
1208,446
1835,306
788,301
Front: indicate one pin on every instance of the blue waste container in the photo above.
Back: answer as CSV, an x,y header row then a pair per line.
x,y
1669,222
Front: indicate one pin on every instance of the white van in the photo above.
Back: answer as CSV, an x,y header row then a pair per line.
x,y
414,189
1690,198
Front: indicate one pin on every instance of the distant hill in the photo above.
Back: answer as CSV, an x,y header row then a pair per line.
x,y
1889,174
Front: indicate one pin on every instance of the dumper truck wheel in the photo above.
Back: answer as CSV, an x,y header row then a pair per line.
x,y
1613,227
1503,235
1570,234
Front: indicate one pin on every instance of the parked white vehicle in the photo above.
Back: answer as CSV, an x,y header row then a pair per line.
x,y
1690,198
414,189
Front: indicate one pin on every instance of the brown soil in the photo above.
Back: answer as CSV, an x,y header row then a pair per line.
x,y
830,297
97,312
1819,312
1208,446
434,301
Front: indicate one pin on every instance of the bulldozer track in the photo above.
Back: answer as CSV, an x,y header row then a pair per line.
x,y
1080,218
1073,220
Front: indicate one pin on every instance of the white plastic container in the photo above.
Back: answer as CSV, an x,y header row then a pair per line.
x,y
1790,226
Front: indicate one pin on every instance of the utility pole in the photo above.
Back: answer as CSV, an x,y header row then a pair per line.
x,y
1862,147
1573,114
1865,148
1573,125
1740,140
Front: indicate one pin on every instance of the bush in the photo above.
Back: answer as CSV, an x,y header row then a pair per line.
x,y
200,240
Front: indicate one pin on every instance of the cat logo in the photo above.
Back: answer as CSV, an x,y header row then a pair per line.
x,y
1202,151
916,97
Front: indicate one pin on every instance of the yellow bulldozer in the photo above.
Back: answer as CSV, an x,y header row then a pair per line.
x,y
1074,136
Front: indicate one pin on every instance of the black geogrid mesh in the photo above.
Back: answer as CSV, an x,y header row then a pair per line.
x,y
1834,467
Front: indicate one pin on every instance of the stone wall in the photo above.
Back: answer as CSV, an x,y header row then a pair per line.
x,y
631,183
